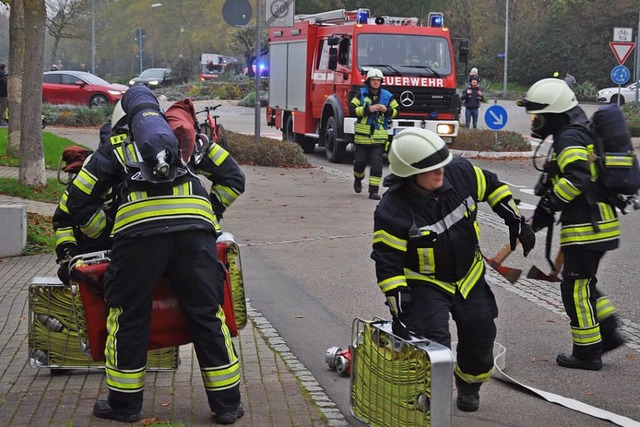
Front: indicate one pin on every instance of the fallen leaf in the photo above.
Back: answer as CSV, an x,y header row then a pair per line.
x,y
152,421
298,316
165,404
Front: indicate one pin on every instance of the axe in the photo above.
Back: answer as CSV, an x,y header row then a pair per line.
x,y
511,274
536,273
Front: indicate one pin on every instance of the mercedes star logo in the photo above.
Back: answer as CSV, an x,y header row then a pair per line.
x,y
407,98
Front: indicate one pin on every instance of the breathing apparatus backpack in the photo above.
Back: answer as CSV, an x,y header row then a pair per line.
x,y
154,152
614,156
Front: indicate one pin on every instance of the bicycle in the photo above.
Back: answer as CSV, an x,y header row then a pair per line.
x,y
211,128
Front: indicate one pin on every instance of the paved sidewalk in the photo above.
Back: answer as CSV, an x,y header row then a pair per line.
x,y
277,390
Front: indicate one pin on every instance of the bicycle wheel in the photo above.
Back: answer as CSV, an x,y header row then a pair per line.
x,y
222,137
206,129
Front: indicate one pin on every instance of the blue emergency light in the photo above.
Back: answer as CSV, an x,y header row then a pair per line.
x,y
436,19
362,17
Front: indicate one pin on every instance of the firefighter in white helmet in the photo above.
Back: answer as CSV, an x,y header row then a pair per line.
x,y
374,107
590,224
427,255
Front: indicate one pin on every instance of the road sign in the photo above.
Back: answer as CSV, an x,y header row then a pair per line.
x,y
622,50
280,13
620,74
622,34
495,117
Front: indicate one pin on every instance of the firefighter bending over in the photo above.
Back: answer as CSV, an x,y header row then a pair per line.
x,y
427,255
164,224
590,224
373,106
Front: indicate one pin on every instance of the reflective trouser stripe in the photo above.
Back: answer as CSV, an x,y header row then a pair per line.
x,y
125,381
587,331
471,379
604,308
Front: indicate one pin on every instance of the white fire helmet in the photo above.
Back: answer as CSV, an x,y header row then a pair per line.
x,y
374,72
415,150
549,96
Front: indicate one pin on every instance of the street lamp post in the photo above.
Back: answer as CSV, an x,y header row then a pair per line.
x,y
155,35
93,36
506,47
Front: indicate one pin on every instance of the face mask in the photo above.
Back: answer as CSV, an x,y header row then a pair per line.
x,y
540,126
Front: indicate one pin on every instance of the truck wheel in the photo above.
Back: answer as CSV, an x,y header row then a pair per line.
x,y
308,144
287,132
335,149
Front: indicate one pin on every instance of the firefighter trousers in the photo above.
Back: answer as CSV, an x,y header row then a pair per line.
x,y
589,310
368,154
474,317
189,259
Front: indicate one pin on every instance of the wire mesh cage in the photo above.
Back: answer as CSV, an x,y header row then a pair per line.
x,y
229,254
57,330
396,381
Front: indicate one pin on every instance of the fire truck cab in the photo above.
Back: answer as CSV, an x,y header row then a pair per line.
x,y
320,64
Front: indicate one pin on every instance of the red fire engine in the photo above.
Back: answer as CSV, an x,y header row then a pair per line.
x,y
320,63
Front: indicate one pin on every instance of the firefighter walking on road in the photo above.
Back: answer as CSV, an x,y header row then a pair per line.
x,y
374,107
427,255
590,224
164,225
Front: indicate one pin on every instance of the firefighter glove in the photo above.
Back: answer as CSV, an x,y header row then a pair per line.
x,y
398,301
527,237
544,215
400,329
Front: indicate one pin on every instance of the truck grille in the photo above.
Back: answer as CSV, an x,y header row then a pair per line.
x,y
419,100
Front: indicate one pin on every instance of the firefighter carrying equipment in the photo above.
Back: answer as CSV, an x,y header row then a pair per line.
x,y
416,151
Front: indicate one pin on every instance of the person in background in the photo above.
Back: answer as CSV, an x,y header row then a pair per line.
x,y
471,99
473,74
570,80
4,93
427,252
373,106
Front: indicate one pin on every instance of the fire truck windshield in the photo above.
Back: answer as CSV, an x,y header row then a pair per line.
x,y
405,54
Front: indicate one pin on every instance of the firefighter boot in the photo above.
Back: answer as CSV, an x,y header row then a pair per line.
x,y
373,192
568,360
612,340
357,185
229,417
102,409
468,395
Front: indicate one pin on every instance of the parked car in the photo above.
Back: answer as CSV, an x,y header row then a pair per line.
x,y
79,87
153,78
610,94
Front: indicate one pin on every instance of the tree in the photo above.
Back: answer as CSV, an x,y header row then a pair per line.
x,y
243,40
16,55
62,18
32,170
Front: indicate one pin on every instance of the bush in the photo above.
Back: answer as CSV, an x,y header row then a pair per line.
x,y
585,91
269,152
76,115
485,140
182,70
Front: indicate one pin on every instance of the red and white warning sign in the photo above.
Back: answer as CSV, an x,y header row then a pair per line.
x,y
622,50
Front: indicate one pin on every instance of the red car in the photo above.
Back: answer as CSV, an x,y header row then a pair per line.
x,y
79,87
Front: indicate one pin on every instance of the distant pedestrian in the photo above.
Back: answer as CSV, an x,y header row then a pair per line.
x,y
471,99
3,94
570,80
473,74
556,74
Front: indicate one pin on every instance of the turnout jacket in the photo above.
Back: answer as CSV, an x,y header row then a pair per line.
x,y
588,220
425,238
144,208
371,128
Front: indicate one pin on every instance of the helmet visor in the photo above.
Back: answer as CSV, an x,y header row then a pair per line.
x,y
531,106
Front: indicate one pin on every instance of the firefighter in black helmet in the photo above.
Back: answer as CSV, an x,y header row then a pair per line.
x,y
427,255
161,228
590,224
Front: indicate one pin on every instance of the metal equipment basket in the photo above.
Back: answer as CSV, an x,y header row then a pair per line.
x,y
57,330
399,382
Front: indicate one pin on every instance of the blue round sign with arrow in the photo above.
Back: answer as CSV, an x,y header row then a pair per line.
x,y
620,74
495,117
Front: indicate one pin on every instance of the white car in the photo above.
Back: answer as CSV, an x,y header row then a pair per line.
x,y
610,95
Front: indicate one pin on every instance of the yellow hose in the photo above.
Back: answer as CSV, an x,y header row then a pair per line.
x,y
55,347
390,383
237,285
